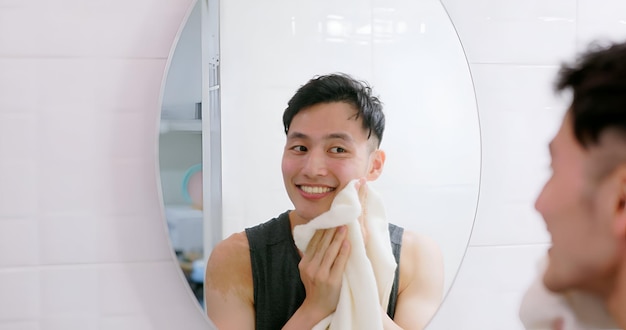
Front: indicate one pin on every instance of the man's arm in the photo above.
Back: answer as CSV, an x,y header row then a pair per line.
x,y
228,288
421,282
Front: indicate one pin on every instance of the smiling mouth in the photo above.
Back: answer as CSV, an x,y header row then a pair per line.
x,y
315,189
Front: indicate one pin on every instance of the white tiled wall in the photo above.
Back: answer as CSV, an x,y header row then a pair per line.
x,y
514,49
82,237
83,243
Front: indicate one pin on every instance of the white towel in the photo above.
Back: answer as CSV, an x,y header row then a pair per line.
x,y
370,269
540,308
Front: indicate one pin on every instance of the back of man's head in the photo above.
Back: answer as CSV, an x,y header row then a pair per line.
x,y
340,87
598,82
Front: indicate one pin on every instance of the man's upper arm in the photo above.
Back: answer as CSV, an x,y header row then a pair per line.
x,y
228,285
421,270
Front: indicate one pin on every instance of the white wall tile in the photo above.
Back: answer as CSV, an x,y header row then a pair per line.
x,y
18,90
129,85
117,239
488,288
78,28
129,290
21,296
19,189
68,136
69,323
26,41
66,85
19,241
18,135
21,325
118,294
67,239
127,322
69,291
510,31
67,187
116,135
78,139
120,197
519,116
602,20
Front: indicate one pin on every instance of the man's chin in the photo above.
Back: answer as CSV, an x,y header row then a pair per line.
x,y
306,216
553,283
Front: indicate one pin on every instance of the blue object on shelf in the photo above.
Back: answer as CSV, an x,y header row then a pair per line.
x,y
185,188
197,271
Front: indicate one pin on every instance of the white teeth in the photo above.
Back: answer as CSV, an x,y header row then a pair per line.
x,y
315,190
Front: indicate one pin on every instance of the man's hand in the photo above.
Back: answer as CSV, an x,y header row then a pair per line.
x,y
321,271
361,186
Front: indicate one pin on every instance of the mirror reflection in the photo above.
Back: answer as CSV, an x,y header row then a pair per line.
x,y
407,51
180,152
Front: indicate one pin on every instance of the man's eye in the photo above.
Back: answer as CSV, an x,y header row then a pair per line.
x,y
337,150
299,148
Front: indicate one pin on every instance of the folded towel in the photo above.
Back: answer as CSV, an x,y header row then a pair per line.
x,y
370,269
540,308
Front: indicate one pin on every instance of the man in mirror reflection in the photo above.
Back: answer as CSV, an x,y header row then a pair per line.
x,y
584,202
258,279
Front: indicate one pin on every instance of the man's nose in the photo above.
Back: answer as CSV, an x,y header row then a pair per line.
x,y
315,164
539,202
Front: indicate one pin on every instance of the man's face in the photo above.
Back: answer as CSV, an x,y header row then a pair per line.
x,y
326,148
578,209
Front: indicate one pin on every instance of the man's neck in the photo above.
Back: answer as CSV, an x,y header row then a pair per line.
x,y
295,219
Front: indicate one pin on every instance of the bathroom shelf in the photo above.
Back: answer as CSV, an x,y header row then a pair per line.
x,y
181,125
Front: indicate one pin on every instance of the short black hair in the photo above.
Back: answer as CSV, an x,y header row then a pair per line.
x,y
598,82
339,87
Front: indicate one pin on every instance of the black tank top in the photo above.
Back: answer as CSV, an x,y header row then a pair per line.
x,y
278,290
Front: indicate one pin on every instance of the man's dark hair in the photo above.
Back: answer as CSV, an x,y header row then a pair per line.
x,y
339,87
598,82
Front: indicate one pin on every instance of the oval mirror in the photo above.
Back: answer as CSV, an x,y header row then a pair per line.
x,y
180,151
407,50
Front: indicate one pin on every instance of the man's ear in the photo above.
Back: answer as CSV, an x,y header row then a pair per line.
x,y
619,221
377,162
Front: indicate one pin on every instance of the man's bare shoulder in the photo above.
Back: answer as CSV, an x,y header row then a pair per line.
x,y
418,244
419,253
229,268
228,284
421,281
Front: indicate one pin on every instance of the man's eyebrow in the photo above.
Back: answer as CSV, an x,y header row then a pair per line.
x,y
341,136
331,136
296,135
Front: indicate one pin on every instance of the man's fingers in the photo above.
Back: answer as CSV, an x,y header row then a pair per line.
x,y
334,247
362,190
339,266
558,324
313,243
361,186
315,252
